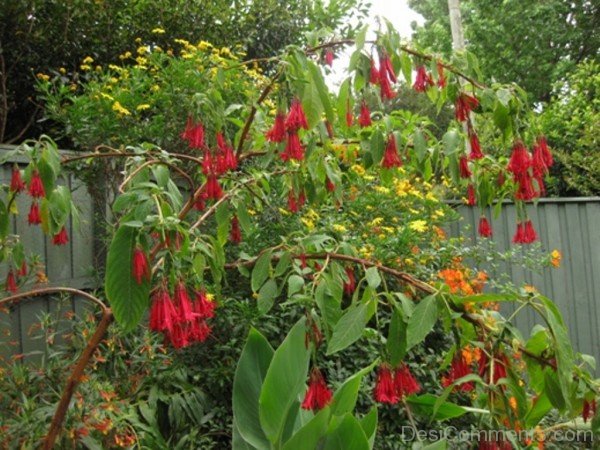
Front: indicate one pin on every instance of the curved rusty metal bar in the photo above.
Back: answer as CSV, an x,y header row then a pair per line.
x,y
88,351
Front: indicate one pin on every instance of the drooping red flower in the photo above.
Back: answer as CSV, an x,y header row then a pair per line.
x,y
23,270
194,134
349,115
501,364
525,189
235,235
301,199
388,69
423,80
163,314
227,158
542,144
385,390
463,166
292,203
501,178
458,369
530,234
484,229
441,82
318,395
373,73
293,148
329,57
16,182
179,335
589,409
199,330
329,185
36,187
405,382
465,103
385,86
350,283
213,189
520,160
391,157
11,282
34,217
277,131
475,146
61,238
364,119
525,233
183,304
203,307
471,200
200,202
296,118
140,266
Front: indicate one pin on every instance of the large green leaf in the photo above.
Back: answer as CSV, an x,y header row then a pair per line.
x,y
247,384
422,321
344,399
128,299
284,381
349,435
319,82
261,271
349,328
396,341
424,405
309,435
369,425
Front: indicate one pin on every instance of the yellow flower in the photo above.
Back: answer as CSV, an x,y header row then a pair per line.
x,y
556,257
358,169
87,60
285,212
143,107
155,88
308,223
431,197
204,45
530,289
120,109
438,213
376,221
104,95
339,228
43,76
62,71
418,225
210,297
85,67
382,189
158,31
125,55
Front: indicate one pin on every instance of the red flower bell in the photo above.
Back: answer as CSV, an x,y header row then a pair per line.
x,y
183,304
484,229
350,283
364,119
16,182
36,187
140,267
405,382
465,103
423,80
194,134
34,218
296,118
277,131
385,390
589,409
458,369
329,57
318,395
471,200
235,235
390,157
163,314
475,146
11,282
463,167
61,238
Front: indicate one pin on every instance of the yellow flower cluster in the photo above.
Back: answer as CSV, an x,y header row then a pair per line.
x,y
122,111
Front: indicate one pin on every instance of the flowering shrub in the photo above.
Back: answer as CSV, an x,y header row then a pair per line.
x,y
359,251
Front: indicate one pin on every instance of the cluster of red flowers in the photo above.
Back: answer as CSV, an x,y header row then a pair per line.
x,y
181,320
390,157
295,202
384,76
318,395
589,409
423,80
465,103
391,386
461,367
495,443
287,127
37,191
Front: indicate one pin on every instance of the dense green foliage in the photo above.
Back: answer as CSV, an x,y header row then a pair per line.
x,y
43,37
533,44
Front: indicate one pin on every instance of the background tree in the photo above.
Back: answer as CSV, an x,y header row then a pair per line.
x,y
533,44
40,36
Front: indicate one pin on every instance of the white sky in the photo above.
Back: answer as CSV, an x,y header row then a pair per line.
x,y
397,12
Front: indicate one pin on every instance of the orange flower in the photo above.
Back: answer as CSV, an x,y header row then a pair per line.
x,y
556,256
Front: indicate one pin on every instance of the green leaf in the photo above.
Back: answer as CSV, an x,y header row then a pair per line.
x,y
319,83
553,390
538,410
349,328
309,435
422,321
373,278
406,67
295,284
284,263
451,140
396,341
420,145
247,384
424,405
344,398
484,298
238,442
311,102
261,271
161,174
369,425
284,381
266,296
377,146
349,435
128,299
442,444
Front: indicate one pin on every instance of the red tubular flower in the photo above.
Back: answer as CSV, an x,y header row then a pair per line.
x,y
293,148
388,69
374,73
500,366
16,182
227,158
235,235
484,229
292,203
525,233
350,283
589,410
200,202
525,190
36,187
213,189
349,115
329,57
471,200
542,144
329,185
384,86
423,80
520,160
203,307
465,103
163,314
318,395
501,179
194,134
364,119
61,238
458,369
463,166
140,266
277,131
198,331
475,146
296,118
301,199
34,218
183,304
11,282
391,157
385,390
23,270
405,382
179,335
441,76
